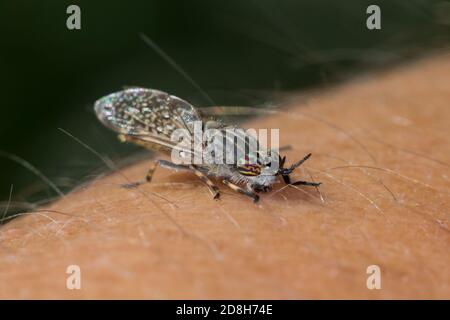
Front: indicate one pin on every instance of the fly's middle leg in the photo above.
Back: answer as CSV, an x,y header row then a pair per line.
x,y
211,186
148,177
306,183
237,188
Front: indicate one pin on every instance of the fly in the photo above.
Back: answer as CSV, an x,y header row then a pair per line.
x,y
150,117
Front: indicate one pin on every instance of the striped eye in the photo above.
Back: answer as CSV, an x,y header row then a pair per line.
x,y
249,170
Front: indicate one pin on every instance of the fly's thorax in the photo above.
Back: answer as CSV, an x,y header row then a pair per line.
x,y
234,145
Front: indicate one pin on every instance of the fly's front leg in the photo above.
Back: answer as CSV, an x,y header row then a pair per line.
x,y
173,166
287,180
306,183
237,188
211,186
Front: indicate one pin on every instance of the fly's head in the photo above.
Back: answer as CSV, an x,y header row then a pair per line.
x,y
264,172
260,172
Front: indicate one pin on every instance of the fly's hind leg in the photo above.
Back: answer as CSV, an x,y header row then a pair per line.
x,y
164,164
152,169
170,165
177,167
148,177
211,186
237,188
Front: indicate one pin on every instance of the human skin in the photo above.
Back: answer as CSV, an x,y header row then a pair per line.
x,y
380,146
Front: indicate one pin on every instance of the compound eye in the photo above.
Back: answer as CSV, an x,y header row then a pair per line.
x,y
249,170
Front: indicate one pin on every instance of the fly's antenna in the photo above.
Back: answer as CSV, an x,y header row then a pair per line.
x,y
286,171
174,65
299,163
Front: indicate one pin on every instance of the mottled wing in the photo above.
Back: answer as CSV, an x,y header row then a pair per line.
x,y
139,110
145,114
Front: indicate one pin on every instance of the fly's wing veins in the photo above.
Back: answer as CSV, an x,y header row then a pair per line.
x,y
144,112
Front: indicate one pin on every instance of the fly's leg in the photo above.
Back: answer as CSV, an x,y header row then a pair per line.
x,y
237,188
148,177
211,186
287,180
151,171
286,173
164,164
306,183
173,166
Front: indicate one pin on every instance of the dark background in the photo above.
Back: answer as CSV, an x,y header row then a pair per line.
x,y
240,52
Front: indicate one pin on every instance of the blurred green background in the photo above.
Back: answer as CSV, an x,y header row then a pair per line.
x,y
239,52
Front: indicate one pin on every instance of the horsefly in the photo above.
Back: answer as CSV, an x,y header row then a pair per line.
x,y
205,146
